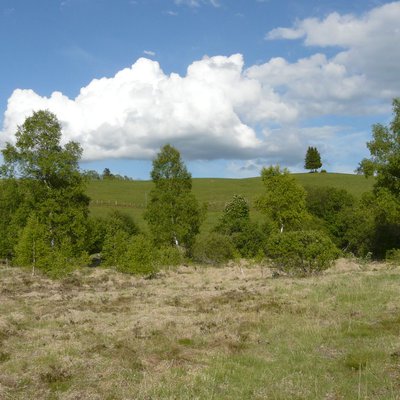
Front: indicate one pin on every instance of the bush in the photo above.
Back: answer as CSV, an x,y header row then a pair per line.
x,y
250,240
302,252
236,214
393,256
140,257
213,249
115,247
118,220
246,236
169,256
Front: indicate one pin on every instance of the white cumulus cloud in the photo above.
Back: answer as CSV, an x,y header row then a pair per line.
x,y
369,44
207,114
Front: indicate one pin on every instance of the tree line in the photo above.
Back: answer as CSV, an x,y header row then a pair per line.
x,y
46,224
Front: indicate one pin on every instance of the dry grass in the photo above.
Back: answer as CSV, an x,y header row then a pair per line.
x,y
201,333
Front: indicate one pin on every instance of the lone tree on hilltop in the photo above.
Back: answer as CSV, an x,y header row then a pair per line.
x,y
173,213
313,159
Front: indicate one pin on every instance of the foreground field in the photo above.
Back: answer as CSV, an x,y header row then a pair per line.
x,y
205,333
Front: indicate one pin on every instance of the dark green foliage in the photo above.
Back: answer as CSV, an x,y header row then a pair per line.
x,y
213,248
325,202
328,203
96,233
384,164
246,236
301,252
108,235
393,256
173,213
284,201
371,225
249,240
14,212
313,159
358,225
48,184
118,220
107,174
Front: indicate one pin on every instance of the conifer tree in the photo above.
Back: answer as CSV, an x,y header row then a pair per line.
x,y
313,159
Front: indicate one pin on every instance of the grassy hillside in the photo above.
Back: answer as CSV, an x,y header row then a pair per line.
x,y
131,197
205,333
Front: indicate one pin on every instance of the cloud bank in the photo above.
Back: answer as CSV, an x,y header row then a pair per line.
x,y
222,110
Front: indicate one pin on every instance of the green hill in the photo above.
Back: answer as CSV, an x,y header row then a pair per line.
x,y
131,196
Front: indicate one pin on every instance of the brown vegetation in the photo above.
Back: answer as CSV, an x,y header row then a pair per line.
x,y
99,334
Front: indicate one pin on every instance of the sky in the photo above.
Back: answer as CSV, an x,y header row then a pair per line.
x,y
234,85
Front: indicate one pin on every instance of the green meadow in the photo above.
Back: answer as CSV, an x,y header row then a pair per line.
x,y
131,196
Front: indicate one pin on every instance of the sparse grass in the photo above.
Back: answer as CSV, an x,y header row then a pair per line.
x,y
201,333
131,197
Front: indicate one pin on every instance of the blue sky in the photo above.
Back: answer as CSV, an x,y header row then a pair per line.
x,y
233,84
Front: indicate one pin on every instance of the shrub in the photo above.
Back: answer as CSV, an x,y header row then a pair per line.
x,y
246,236
169,256
303,252
115,247
96,233
329,204
140,257
236,214
393,256
213,249
250,240
118,220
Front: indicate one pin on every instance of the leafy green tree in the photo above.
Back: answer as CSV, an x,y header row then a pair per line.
x,y
173,213
384,164
48,175
284,200
313,159
384,148
371,226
